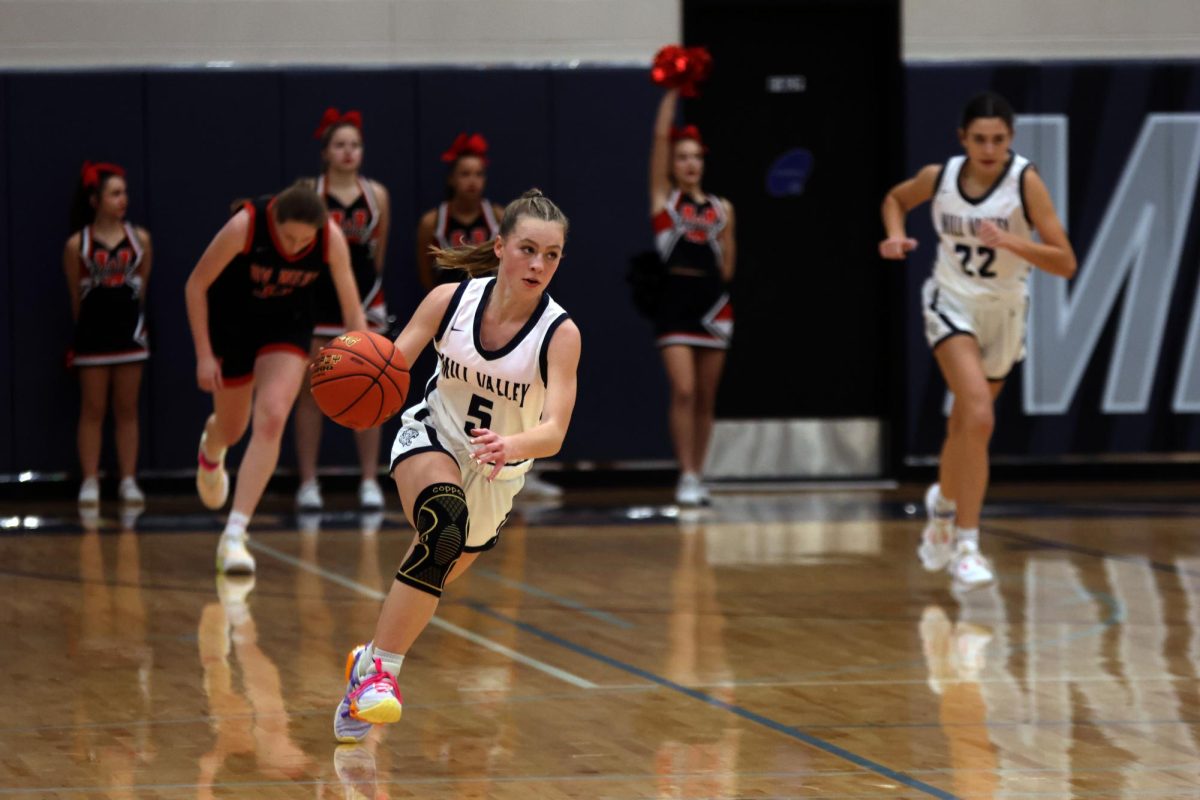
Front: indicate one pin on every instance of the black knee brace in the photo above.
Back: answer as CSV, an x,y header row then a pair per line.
x,y
440,516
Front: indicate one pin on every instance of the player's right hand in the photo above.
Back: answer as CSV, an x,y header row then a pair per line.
x,y
896,248
208,374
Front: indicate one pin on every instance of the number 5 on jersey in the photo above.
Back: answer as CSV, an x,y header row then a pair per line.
x,y
478,414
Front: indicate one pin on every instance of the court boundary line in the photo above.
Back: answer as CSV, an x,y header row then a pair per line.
x,y
795,733
574,605
448,627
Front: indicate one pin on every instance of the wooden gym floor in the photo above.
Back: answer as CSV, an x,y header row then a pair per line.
x,y
776,645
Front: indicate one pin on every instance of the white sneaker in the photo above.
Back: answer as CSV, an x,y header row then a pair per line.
x,y
308,496
89,492
212,484
937,539
689,491
969,568
536,487
370,496
233,556
130,493
937,546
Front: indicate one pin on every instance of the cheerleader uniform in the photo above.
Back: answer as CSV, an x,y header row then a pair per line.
x,y
111,328
262,301
694,309
360,223
449,232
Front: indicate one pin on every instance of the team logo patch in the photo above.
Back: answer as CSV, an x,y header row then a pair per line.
x,y
407,436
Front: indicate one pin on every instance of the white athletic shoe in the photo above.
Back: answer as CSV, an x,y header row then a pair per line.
x,y
308,496
212,484
89,492
689,491
233,556
370,496
537,488
937,539
969,568
130,493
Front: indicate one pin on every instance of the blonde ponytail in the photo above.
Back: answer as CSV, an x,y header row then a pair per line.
x,y
480,259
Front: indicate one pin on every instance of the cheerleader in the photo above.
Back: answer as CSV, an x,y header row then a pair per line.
x,y
107,263
361,207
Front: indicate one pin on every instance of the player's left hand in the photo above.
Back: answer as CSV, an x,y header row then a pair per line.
x,y
489,447
991,235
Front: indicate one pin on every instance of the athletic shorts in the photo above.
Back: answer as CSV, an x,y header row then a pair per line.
x,y
488,502
693,311
997,323
239,338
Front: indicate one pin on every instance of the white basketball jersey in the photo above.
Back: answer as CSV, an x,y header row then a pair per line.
x,y
964,265
502,390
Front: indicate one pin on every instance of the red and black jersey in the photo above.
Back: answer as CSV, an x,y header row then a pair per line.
x,y
687,233
360,222
452,233
110,267
262,274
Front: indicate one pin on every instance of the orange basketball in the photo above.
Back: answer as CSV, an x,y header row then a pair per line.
x,y
359,379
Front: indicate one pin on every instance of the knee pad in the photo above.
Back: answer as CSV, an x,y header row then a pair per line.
x,y
440,516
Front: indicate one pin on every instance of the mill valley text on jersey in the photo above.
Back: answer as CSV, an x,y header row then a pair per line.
x,y
501,387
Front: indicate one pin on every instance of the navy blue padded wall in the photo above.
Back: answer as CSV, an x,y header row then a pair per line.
x,y
387,100
212,137
54,122
7,464
602,130
510,107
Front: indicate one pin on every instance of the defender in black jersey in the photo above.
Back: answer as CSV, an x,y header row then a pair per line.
x,y
107,261
465,217
693,233
249,303
361,207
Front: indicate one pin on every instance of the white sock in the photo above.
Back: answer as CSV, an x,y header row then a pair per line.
x,y
968,536
235,526
391,661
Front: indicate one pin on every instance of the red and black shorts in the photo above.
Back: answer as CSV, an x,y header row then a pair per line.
x,y
239,338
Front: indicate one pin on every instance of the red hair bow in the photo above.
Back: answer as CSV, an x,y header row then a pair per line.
x,y
91,172
464,145
333,118
681,68
688,132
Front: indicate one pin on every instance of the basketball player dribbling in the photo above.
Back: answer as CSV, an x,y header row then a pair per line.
x,y
250,311
986,206
361,207
502,394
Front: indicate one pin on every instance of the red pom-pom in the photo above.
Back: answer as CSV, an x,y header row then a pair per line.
x,y
678,68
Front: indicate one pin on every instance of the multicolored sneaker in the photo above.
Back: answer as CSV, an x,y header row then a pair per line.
x,y
372,700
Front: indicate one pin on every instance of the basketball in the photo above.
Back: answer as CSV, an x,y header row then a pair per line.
x,y
359,379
